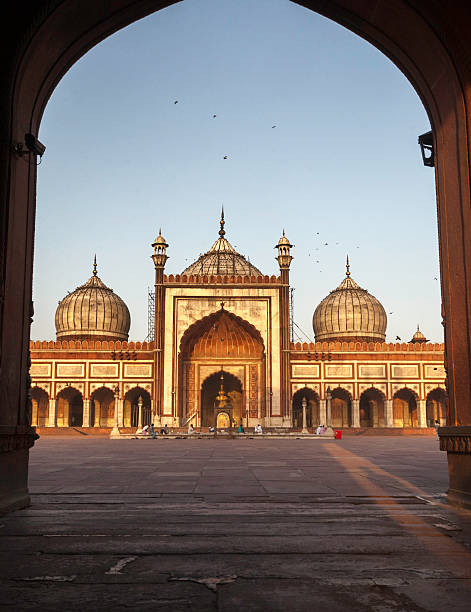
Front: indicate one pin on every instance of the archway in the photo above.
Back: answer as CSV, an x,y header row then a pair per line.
x,y
341,408
312,408
69,408
209,391
372,408
436,406
102,408
40,407
131,407
221,337
405,408
444,85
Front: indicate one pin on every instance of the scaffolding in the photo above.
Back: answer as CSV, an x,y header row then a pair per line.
x,y
150,315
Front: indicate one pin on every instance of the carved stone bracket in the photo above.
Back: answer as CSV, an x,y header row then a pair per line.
x,y
16,438
455,439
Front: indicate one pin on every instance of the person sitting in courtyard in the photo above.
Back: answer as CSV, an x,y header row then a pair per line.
x,y
258,429
211,429
319,430
144,430
240,429
191,429
165,430
151,431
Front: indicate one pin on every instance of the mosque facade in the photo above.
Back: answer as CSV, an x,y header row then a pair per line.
x,y
222,329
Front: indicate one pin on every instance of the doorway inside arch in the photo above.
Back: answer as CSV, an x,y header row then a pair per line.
x,y
405,408
209,391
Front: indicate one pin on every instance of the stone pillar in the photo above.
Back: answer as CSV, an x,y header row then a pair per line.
x,y
422,413
322,412
304,405
139,404
86,413
388,413
52,413
97,412
356,413
121,414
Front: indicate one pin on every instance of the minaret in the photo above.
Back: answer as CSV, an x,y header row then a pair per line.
x,y
159,258
284,259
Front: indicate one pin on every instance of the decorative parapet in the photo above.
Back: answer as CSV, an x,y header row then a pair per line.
x,y
455,439
91,345
197,279
317,348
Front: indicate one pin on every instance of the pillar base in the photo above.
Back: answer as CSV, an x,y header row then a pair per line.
x,y
115,433
15,443
456,441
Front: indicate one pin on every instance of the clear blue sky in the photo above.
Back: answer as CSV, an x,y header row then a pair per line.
x,y
342,166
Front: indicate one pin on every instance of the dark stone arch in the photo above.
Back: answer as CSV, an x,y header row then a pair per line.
x,y
444,85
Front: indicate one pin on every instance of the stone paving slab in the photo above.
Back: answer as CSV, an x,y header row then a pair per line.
x,y
357,524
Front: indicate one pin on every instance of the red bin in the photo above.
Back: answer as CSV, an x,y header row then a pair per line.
x,y
338,434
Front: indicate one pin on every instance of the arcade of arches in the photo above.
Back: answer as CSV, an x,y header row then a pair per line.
x,y
404,375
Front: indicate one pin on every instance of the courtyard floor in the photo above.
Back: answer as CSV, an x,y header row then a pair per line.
x,y
236,525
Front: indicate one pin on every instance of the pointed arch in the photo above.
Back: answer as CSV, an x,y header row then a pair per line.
x,y
372,408
312,408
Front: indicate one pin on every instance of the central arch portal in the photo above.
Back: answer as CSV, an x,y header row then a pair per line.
x,y
221,341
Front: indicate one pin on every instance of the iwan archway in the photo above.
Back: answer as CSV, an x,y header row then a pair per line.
x,y
431,51
221,343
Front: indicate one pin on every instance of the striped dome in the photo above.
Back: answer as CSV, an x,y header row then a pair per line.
x,y
92,312
349,313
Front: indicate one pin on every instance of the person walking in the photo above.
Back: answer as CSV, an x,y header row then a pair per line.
x,y
437,425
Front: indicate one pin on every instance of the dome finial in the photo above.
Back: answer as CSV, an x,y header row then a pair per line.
x,y
348,267
221,223
283,231
94,266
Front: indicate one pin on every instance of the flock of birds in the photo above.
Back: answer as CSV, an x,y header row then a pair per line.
x,y
317,261
214,117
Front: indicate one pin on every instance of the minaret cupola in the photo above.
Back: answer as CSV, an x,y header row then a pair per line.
x,y
160,251
284,256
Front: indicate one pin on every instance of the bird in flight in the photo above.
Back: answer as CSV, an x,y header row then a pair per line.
x,y
225,157
326,244
391,313
176,102
273,126
317,233
397,338
435,278
214,116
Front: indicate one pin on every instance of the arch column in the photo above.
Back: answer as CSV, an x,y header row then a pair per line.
x,y
422,413
52,421
356,413
388,413
86,413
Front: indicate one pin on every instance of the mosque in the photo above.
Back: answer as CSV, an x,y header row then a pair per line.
x,y
221,339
